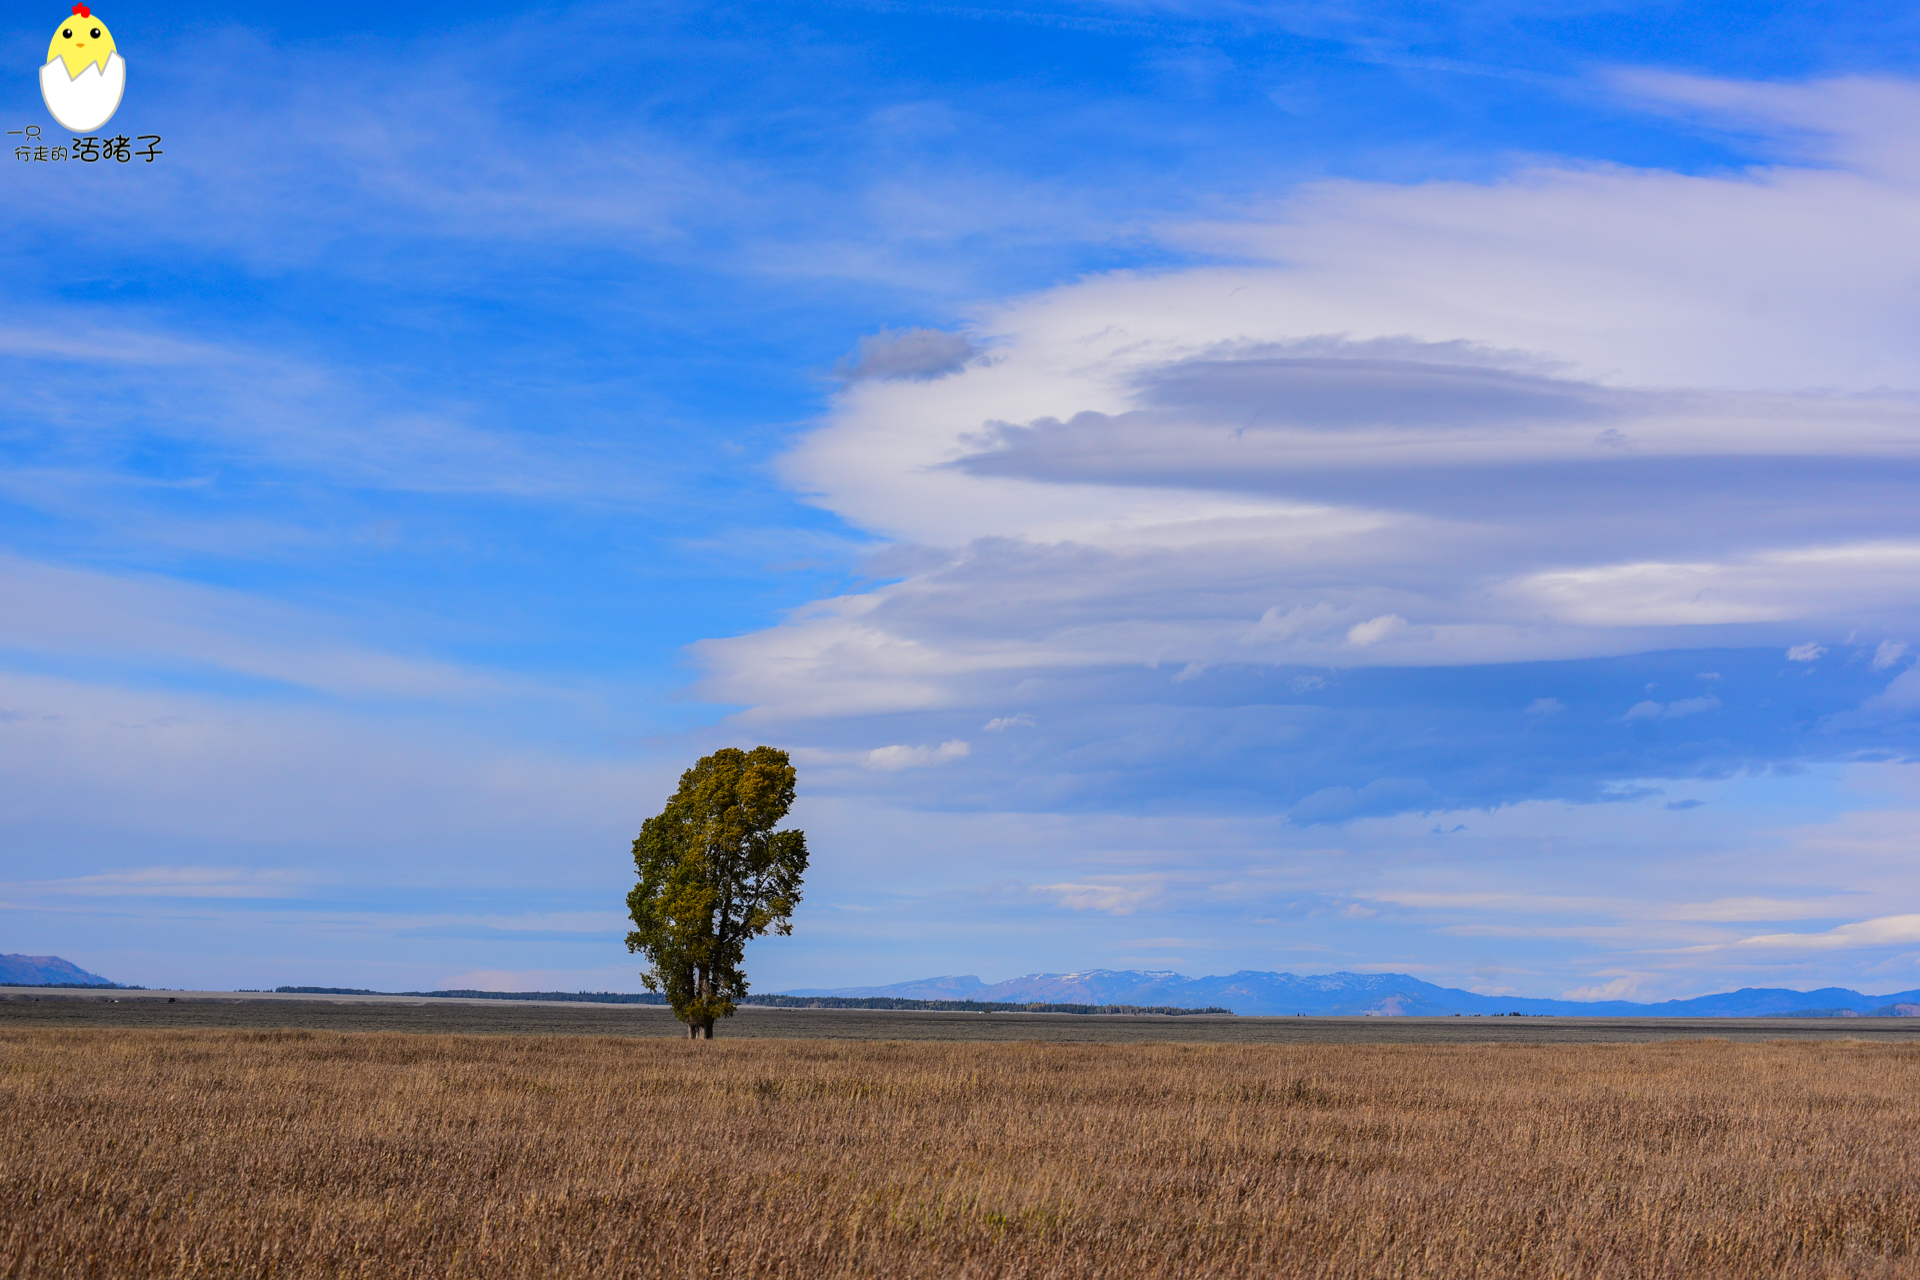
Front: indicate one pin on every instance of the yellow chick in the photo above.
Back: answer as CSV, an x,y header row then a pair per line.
x,y
80,40
85,75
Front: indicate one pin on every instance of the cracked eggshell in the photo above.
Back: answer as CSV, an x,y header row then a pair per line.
x,y
84,102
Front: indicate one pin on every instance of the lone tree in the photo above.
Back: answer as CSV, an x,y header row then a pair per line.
x,y
714,874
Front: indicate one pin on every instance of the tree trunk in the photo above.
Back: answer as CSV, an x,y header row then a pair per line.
x,y
703,983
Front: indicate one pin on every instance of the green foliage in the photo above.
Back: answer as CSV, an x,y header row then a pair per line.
x,y
714,874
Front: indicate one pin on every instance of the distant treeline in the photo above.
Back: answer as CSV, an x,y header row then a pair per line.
x,y
592,997
965,1006
775,1002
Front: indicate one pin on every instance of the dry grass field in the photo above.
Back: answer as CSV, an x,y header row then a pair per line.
x,y
302,1153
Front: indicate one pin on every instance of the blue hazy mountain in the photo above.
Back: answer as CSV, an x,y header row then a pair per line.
x,y
1375,994
47,971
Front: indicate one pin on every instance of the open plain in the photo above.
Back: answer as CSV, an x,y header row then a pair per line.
x,y
207,1010
308,1153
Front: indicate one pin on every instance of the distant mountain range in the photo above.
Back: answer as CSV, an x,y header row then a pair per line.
x,y
1371,994
47,971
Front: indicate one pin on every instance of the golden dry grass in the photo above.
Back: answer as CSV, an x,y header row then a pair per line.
x,y
307,1154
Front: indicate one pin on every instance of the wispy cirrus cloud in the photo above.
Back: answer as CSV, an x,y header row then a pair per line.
x,y
171,882
1120,899
229,404
164,624
1881,931
901,756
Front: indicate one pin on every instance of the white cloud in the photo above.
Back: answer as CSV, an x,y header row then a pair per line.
x,y
1900,697
1114,899
1000,724
1883,931
1388,410
236,797
890,759
1650,710
915,354
1545,707
1386,627
172,882
1382,795
1808,652
160,622
255,408
1625,987
1749,908
1889,652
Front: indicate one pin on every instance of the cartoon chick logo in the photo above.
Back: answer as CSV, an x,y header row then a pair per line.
x,y
84,76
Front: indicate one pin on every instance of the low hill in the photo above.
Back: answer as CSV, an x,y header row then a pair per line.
x,y
948,988
47,971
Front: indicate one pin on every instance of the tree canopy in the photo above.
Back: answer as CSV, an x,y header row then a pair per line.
x,y
714,874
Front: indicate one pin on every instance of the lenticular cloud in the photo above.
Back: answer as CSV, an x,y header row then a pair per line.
x,y
1580,412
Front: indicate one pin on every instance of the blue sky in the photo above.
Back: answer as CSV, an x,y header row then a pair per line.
x,y
1197,486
